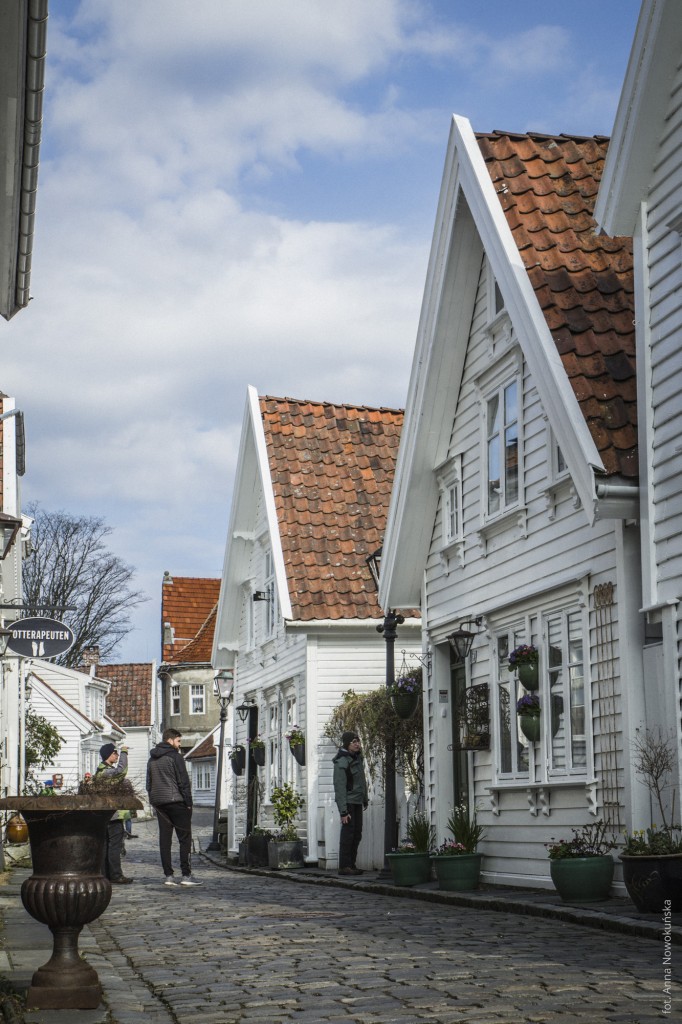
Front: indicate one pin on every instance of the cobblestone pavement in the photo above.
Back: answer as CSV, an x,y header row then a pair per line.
x,y
247,949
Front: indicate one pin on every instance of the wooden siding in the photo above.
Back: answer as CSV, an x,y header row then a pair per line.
x,y
665,297
553,548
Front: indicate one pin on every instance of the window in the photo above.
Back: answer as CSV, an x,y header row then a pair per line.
x,y
248,615
197,699
175,699
290,717
449,478
502,423
270,604
203,777
562,749
273,746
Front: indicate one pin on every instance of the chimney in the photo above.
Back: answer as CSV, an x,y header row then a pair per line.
x,y
90,656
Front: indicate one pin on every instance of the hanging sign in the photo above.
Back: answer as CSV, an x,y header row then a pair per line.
x,y
40,638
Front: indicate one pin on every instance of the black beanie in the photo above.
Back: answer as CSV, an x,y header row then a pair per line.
x,y
107,750
348,738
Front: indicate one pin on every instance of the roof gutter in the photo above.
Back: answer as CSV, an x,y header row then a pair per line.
x,y
30,137
617,501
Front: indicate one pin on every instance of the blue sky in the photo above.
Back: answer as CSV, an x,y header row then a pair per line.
x,y
236,194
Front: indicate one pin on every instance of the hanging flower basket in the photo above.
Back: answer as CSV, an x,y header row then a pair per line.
x,y
298,750
238,759
524,661
406,690
528,710
404,704
259,756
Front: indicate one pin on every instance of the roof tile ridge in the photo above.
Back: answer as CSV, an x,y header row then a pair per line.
x,y
331,405
201,629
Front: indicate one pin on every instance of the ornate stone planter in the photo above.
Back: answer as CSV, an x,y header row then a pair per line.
x,y
67,888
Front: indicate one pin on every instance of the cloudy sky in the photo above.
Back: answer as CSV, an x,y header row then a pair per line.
x,y
238,193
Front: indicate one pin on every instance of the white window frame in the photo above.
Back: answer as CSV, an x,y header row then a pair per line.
x,y
270,611
175,699
449,479
203,780
249,618
536,765
197,692
507,423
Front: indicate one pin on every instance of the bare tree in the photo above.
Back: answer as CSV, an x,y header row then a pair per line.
x,y
70,565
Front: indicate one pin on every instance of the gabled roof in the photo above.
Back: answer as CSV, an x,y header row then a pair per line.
x,y
332,469
186,604
84,724
525,201
130,699
640,122
204,748
583,282
198,651
322,474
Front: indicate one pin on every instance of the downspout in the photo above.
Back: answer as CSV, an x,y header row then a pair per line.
x,y
618,491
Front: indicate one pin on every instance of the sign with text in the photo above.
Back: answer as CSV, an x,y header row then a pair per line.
x,y
40,638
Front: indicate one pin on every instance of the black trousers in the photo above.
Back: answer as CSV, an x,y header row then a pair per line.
x,y
175,818
112,862
351,834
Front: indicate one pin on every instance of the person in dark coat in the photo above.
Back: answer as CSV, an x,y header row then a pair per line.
x,y
170,794
350,793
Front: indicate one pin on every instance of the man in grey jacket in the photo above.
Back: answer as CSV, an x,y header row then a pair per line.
x,y
170,793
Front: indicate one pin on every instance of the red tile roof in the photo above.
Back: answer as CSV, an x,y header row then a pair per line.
x,y
206,748
130,697
186,603
332,470
199,650
547,187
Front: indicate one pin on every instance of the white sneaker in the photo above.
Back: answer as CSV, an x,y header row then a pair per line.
x,y
190,880
170,880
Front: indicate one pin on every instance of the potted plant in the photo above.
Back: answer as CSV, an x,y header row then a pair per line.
x,y
524,661
257,748
582,867
652,857
528,710
296,738
410,863
405,692
237,756
256,852
457,862
285,848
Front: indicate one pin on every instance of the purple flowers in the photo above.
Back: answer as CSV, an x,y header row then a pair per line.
x,y
529,704
409,682
524,654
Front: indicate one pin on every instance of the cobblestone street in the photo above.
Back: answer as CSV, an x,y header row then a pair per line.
x,y
247,948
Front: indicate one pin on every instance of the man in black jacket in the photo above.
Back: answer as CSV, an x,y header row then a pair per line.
x,y
170,793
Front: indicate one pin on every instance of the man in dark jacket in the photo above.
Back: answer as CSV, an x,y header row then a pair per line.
x,y
170,793
350,793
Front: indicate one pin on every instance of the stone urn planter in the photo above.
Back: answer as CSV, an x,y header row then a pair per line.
x,y
583,879
67,889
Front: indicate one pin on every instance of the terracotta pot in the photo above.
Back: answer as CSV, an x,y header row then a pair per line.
x,y
17,830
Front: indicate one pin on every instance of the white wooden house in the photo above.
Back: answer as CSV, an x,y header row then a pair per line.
x,y
640,196
516,494
297,614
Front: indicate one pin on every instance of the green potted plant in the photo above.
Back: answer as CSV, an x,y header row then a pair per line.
x,y
457,862
582,867
405,692
524,660
285,849
410,863
296,738
257,748
652,857
528,709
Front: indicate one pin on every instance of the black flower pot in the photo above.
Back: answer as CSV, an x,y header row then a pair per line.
x,y
298,750
238,760
651,881
259,756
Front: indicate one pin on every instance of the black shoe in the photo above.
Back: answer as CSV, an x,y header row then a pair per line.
x,y
121,881
356,871
131,835
346,871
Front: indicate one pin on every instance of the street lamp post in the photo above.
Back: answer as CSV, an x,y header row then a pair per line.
x,y
223,684
389,629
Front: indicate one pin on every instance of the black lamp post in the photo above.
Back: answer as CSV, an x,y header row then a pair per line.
x,y
389,629
223,684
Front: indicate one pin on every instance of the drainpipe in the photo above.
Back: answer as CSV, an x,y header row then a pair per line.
x,y
618,491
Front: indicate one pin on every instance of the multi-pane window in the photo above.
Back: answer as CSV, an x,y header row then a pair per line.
x,y
270,603
290,720
502,448
175,699
197,699
562,747
203,778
